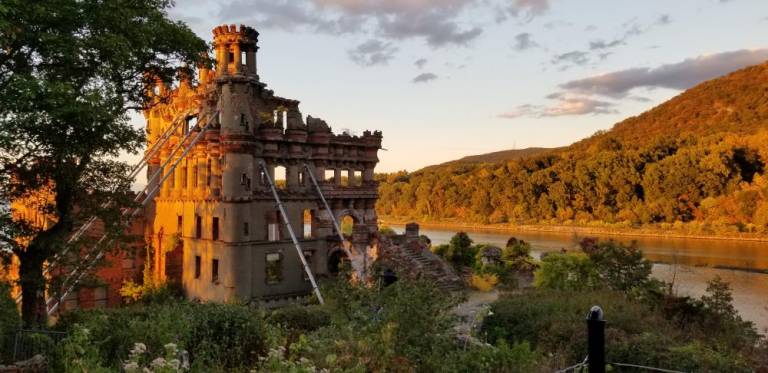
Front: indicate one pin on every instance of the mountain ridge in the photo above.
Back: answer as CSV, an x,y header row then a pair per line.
x,y
697,160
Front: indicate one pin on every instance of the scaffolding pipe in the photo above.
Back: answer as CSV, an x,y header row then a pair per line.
x,y
83,228
361,271
290,232
135,212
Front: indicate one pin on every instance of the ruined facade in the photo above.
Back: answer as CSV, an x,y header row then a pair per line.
x,y
215,226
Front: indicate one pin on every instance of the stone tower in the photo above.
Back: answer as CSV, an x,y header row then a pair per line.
x,y
215,227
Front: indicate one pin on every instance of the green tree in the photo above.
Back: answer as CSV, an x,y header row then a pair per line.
x,y
70,71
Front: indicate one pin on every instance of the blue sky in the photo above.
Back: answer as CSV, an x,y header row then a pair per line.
x,y
448,78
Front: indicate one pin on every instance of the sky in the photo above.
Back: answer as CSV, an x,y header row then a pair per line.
x,y
448,78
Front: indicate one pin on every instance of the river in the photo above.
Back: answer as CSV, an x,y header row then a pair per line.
x,y
688,263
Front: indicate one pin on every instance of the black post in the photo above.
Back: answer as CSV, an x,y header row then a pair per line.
x,y
596,340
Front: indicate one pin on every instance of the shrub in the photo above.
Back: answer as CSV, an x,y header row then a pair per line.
x,y
484,281
301,318
215,335
620,267
566,271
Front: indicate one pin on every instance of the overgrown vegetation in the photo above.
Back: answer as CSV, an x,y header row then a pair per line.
x,y
647,324
695,164
410,326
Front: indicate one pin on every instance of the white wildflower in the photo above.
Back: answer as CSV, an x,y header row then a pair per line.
x,y
175,364
139,348
159,362
131,367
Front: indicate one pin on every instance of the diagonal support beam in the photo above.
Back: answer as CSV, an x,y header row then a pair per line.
x,y
290,232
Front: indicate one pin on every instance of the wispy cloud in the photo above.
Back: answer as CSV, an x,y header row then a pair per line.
x,y
420,63
680,75
424,78
524,41
564,106
372,52
601,94
599,49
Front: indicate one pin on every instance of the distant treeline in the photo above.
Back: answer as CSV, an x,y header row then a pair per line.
x,y
697,161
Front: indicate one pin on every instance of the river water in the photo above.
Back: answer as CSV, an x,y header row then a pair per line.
x,y
688,263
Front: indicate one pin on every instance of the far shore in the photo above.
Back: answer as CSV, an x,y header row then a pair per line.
x,y
582,230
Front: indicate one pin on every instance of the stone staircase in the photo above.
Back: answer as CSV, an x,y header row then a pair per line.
x,y
413,259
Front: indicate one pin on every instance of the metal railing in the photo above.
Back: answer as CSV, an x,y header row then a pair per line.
x,y
24,344
595,361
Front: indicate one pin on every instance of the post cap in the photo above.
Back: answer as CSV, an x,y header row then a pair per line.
x,y
596,313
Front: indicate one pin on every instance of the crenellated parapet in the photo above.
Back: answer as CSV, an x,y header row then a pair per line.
x,y
236,49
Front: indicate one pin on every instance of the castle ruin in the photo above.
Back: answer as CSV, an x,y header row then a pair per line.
x,y
215,225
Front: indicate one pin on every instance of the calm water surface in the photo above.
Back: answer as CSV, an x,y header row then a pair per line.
x,y
690,263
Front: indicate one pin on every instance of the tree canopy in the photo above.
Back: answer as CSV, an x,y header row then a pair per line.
x,y
697,161
70,72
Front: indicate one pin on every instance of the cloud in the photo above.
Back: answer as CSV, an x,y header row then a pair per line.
x,y
528,8
372,52
420,63
680,75
524,41
424,78
563,107
572,57
664,19
599,49
578,97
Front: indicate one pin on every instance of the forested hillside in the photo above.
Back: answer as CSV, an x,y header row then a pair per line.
x,y
699,159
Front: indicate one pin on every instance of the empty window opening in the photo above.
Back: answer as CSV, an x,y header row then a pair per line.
x,y
242,58
301,178
215,271
347,223
244,122
156,90
231,57
281,177
273,226
71,301
308,258
245,229
100,297
215,229
245,181
330,175
179,224
262,177
184,177
198,264
357,178
274,268
194,175
308,223
346,177
190,124
208,172
198,227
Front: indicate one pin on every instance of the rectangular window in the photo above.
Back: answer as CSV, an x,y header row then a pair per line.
x,y
273,232
198,227
274,268
245,228
198,264
100,297
71,301
215,230
215,271
308,258
179,224
208,173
